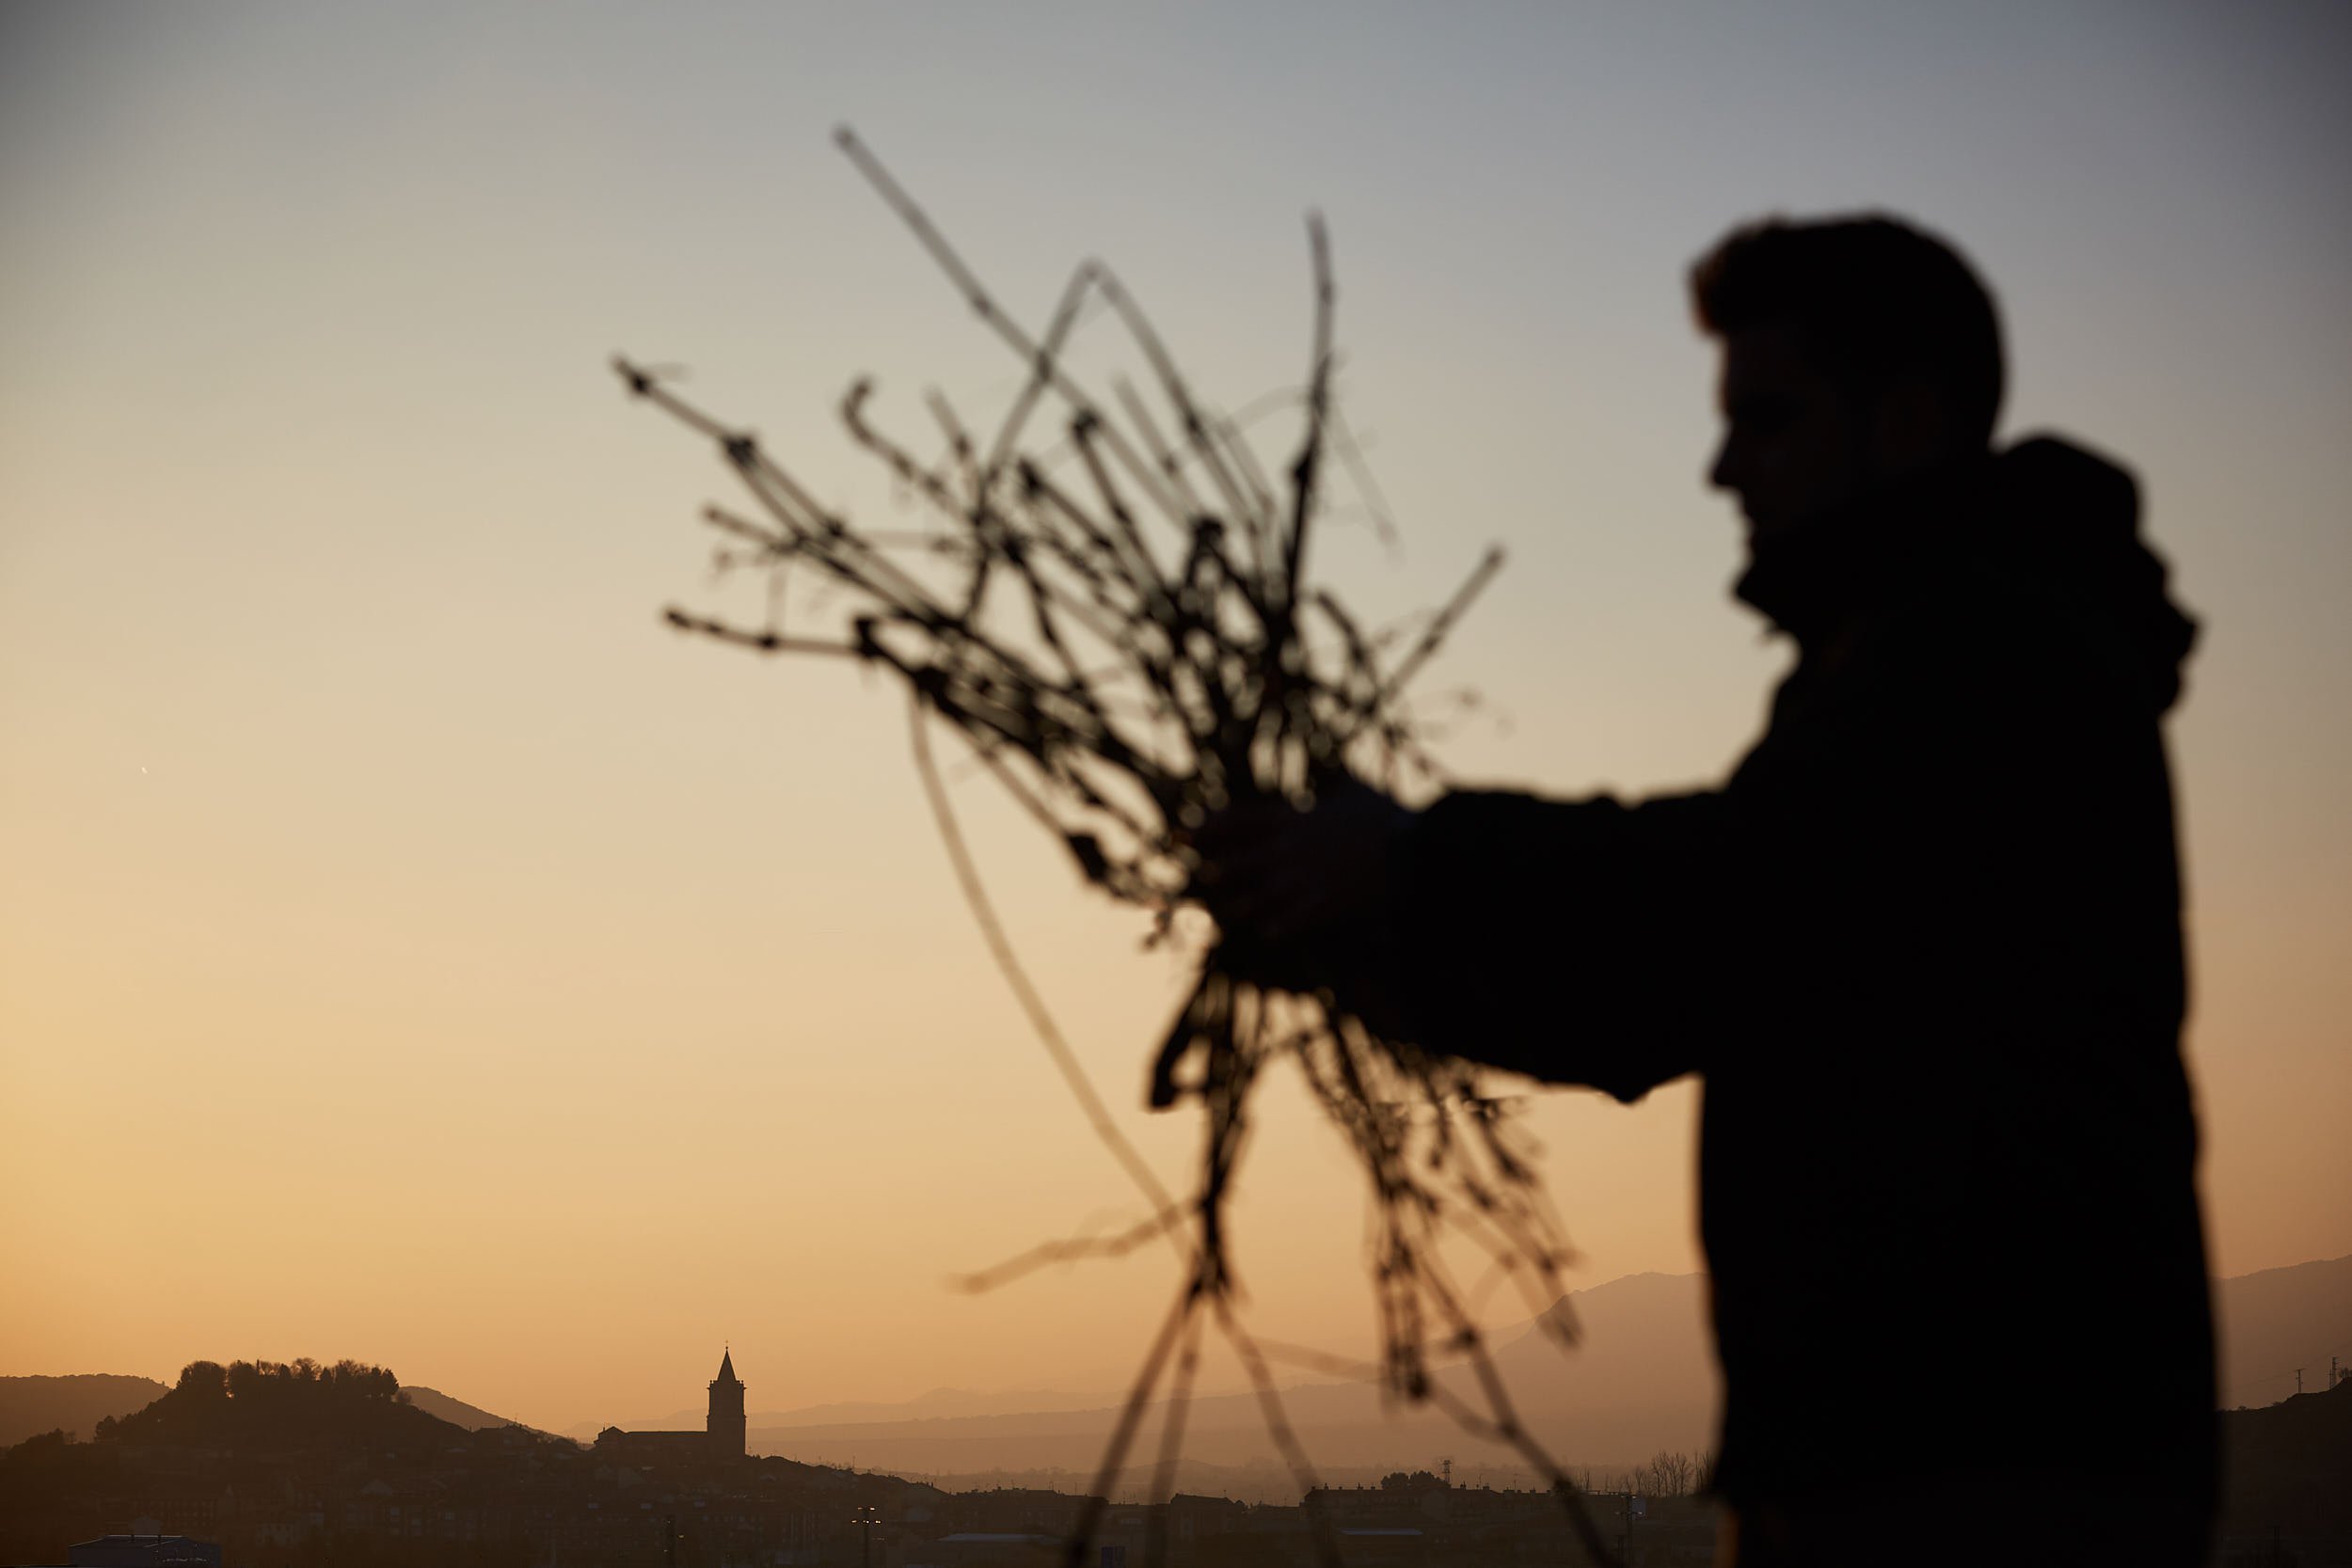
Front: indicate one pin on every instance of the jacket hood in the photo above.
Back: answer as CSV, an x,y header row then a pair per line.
x,y
2043,527
2067,523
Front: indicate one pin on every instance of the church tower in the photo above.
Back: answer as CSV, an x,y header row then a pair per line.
x,y
725,1426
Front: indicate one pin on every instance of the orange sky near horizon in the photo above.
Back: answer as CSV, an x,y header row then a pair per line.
x,y
408,951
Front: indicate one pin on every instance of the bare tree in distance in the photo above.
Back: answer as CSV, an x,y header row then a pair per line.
x,y
1671,1473
1115,619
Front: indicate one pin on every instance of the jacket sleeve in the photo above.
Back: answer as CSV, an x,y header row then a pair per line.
x,y
1577,942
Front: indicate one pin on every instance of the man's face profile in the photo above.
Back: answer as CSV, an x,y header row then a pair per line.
x,y
1796,444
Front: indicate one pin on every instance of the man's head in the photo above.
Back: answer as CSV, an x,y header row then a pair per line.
x,y
1857,353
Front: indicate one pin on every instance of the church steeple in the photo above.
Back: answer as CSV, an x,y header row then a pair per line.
x,y
728,1438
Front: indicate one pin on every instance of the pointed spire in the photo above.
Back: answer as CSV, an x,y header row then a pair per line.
x,y
727,1367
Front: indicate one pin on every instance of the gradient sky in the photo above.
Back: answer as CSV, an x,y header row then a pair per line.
x,y
409,951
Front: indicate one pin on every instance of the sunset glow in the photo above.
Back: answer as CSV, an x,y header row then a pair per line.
x,y
411,951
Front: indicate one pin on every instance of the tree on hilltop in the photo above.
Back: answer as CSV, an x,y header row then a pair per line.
x,y
299,1401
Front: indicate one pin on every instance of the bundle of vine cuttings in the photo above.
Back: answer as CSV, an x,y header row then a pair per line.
x,y
1111,606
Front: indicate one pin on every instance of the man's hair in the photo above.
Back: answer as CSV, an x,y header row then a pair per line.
x,y
1873,299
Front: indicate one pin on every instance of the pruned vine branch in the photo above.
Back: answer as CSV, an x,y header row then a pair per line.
x,y
1116,620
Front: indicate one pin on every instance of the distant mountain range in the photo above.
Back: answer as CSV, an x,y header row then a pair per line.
x,y
2280,1320
1643,1380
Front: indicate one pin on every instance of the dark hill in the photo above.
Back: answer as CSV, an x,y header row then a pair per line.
x,y
454,1411
265,1406
75,1405
305,1465
2287,1469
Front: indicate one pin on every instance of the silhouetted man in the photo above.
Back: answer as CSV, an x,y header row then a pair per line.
x,y
1923,948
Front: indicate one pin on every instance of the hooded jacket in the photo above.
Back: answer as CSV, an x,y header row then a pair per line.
x,y
1924,949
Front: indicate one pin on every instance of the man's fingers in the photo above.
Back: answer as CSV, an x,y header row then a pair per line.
x,y
1250,901
1285,903
1269,873
1240,828
1246,864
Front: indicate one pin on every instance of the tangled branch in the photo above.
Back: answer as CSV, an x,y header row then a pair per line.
x,y
1123,633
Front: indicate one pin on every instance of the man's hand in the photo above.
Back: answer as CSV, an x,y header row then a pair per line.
x,y
1302,896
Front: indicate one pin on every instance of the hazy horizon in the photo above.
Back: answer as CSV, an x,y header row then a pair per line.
x,y
1644,1380
410,951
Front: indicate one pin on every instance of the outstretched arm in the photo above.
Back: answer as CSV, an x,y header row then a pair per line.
x,y
1580,941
